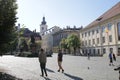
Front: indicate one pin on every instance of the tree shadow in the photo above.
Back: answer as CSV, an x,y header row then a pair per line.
x,y
49,70
73,77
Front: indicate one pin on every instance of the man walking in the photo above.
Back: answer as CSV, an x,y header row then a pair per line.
x,y
43,60
111,58
60,56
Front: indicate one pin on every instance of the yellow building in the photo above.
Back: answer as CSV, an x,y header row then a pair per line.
x,y
102,36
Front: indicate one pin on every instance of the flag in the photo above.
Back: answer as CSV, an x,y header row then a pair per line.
x,y
106,30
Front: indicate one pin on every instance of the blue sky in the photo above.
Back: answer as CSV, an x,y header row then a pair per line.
x,y
61,13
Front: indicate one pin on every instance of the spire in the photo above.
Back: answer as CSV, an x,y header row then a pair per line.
x,y
43,22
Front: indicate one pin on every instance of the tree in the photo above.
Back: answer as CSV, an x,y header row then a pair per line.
x,y
73,42
63,44
7,23
22,42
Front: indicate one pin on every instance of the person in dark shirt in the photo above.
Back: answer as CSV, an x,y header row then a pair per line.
x,y
111,58
60,56
43,60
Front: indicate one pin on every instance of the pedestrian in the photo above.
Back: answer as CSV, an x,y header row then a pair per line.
x,y
43,60
114,57
60,59
111,58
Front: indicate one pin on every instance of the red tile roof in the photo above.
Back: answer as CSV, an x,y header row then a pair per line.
x,y
115,10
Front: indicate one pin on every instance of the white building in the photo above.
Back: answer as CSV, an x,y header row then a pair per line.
x,y
46,34
102,35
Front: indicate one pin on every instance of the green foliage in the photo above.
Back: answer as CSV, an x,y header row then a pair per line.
x,y
72,41
63,43
7,23
21,32
13,44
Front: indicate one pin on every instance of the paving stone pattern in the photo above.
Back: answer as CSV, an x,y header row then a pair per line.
x,y
76,68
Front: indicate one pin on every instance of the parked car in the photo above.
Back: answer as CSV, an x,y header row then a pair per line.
x,y
49,53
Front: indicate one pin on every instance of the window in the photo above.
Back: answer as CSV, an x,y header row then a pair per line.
x,y
104,50
83,51
103,39
98,51
97,40
93,32
103,29
94,52
89,42
42,28
85,34
89,33
118,27
109,26
97,31
90,51
82,35
110,38
111,50
83,43
93,41
118,50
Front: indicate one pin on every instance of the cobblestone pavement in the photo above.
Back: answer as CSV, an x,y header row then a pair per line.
x,y
76,68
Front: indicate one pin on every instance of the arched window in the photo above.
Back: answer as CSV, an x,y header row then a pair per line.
x,y
103,29
109,26
118,28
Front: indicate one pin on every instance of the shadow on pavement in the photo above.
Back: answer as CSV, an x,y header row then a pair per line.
x,y
73,77
5,76
46,78
50,70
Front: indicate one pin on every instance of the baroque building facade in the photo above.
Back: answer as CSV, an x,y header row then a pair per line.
x,y
102,36
47,39
64,33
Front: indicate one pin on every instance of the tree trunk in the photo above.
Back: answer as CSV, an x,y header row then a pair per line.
x,y
74,51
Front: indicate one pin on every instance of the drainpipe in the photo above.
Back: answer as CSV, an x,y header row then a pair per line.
x,y
115,30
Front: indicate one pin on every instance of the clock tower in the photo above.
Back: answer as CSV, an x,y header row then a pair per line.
x,y
43,27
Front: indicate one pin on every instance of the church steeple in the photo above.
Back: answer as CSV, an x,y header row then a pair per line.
x,y
43,22
43,27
